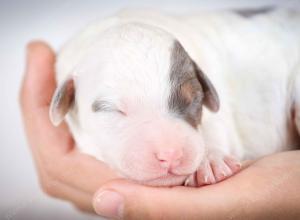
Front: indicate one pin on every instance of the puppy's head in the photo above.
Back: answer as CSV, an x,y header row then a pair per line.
x,y
135,102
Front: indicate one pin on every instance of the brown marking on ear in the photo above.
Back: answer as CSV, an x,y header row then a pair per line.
x,y
211,98
188,91
186,100
62,101
190,88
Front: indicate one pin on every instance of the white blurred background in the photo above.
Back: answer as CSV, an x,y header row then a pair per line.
x,y
55,21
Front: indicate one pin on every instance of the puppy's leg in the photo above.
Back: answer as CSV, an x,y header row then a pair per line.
x,y
213,169
216,167
219,162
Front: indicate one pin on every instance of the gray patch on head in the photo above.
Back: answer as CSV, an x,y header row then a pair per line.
x,y
248,13
186,92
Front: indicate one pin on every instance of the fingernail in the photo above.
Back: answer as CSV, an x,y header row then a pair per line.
x,y
109,204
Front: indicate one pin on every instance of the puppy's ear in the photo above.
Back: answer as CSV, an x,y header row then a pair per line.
x,y
211,98
62,101
183,69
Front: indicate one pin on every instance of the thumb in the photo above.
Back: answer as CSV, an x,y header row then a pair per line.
x,y
121,199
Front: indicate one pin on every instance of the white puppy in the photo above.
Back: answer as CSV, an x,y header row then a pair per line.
x,y
164,99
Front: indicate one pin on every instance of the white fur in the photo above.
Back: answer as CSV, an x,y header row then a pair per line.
x,y
253,63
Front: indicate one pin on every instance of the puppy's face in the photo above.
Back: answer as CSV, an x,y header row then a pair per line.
x,y
135,102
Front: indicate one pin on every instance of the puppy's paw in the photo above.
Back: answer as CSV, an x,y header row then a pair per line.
x,y
213,169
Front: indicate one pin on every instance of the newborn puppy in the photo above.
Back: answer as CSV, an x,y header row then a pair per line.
x,y
141,91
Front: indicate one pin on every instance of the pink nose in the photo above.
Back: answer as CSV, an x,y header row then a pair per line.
x,y
169,158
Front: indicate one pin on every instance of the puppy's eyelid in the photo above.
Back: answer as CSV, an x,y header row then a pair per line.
x,y
105,106
100,105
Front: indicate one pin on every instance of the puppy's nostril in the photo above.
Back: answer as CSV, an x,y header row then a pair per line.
x,y
164,164
169,157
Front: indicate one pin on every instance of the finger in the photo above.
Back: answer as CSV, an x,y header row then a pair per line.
x,y
54,146
77,171
39,80
121,199
240,197
36,92
59,190
82,171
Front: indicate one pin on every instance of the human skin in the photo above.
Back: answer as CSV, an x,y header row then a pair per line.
x,y
63,171
268,188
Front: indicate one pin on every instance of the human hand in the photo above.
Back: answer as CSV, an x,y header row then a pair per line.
x,y
267,189
64,172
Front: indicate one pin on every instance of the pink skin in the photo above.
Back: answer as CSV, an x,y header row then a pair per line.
x,y
159,151
162,158
214,169
165,157
169,158
164,151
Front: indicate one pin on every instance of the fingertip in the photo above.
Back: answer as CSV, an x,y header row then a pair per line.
x,y
39,51
122,199
109,203
109,200
37,45
140,201
39,77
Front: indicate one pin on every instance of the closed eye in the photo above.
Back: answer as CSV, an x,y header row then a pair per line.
x,y
105,106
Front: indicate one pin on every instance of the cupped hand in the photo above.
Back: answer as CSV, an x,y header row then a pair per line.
x,y
267,189
63,171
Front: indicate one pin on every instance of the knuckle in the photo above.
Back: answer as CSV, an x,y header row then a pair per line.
x,y
49,180
51,170
49,187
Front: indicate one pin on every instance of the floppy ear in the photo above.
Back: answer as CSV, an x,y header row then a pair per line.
x,y
211,98
62,101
